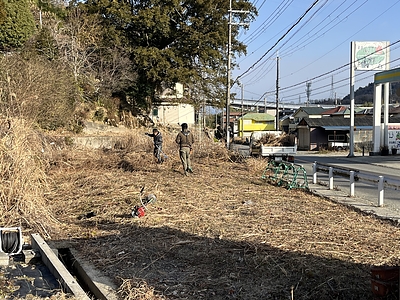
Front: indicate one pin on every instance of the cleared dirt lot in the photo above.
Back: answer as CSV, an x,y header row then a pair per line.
x,y
222,233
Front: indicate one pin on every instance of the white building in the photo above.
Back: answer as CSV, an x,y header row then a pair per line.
x,y
171,112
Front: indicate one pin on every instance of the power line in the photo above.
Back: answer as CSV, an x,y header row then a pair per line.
x,y
329,72
268,22
328,85
315,38
282,37
262,67
324,74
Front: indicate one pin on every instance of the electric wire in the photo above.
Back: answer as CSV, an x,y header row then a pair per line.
x,y
282,37
268,21
305,23
323,78
269,67
324,74
282,31
293,96
292,48
282,55
259,77
315,60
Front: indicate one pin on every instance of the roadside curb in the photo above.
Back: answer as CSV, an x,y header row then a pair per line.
x,y
355,203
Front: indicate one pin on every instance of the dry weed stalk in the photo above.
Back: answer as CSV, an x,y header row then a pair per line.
x,y
22,176
131,289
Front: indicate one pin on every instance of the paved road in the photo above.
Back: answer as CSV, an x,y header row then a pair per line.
x,y
366,192
369,170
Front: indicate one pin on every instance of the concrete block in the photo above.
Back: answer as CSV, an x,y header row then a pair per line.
x,y
31,256
4,259
56,267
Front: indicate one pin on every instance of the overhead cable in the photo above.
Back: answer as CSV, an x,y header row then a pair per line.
x,y
282,37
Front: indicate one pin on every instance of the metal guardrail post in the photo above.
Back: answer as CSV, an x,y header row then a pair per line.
x,y
314,178
351,183
330,178
380,190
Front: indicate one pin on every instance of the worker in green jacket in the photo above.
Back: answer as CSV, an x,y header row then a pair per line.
x,y
185,140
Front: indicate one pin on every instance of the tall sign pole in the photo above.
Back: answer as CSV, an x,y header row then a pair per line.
x,y
242,129
368,56
352,69
277,94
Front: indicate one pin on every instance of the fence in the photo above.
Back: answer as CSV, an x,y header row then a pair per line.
x,y
354,175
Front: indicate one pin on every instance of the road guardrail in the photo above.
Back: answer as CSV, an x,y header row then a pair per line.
x,y
354,175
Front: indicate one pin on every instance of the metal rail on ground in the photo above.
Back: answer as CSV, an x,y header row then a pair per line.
x,y
286,174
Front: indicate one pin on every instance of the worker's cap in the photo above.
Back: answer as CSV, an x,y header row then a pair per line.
x,y
184,126
155,130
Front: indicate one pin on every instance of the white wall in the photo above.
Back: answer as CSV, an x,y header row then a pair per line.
x,y
174,114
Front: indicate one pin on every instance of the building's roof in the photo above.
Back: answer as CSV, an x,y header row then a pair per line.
x,y
336,110
359,111
286,117
365,122
258,117
336,122
235,113
394,110
311,110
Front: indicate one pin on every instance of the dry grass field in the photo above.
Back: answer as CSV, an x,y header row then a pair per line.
x,y
221,233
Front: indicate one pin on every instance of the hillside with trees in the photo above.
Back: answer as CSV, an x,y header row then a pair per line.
x,y
364,96
64,60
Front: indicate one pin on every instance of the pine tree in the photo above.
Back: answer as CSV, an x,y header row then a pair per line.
x,y
174,41
16,24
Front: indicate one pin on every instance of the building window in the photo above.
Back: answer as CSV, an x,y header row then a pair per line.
x,y
336,138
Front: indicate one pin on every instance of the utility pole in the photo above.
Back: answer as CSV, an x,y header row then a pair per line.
x,y
204,114
265,105
242,129
332,95
277,94
228,83
308,92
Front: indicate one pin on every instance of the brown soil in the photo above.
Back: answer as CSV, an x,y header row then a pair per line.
x,y
221,233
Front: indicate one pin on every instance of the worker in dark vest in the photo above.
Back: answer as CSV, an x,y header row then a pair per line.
x,y
185,141
158,141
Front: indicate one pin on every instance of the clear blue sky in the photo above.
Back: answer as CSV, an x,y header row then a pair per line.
x,y
318,44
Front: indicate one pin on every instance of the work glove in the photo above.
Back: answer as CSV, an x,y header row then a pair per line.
x,y
146,133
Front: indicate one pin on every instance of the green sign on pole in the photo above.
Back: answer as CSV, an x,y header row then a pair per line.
x,y
371,55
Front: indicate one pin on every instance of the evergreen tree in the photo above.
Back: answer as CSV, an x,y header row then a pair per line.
x,y
175,41
18,24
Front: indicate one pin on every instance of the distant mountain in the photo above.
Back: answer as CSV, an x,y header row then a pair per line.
x,y
365,96
362,95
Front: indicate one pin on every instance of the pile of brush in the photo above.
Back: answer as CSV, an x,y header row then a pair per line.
x,y
276,140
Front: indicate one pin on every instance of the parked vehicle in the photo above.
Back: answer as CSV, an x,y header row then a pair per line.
x,y
338,145
286,151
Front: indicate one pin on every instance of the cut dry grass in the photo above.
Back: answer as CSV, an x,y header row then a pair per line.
x,y
222,233
23,178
